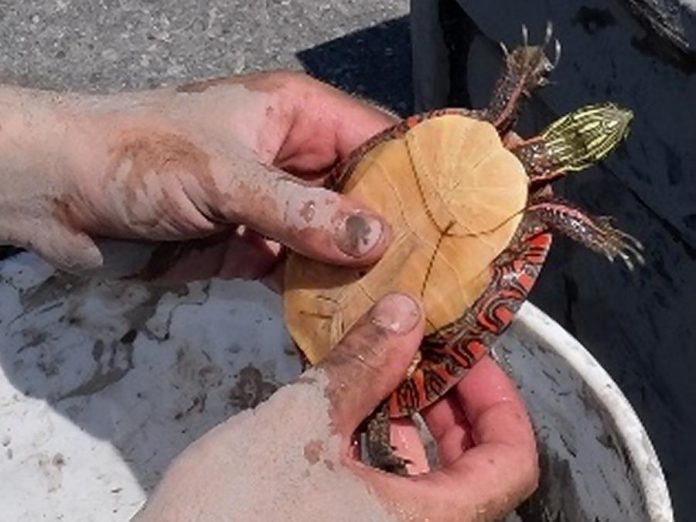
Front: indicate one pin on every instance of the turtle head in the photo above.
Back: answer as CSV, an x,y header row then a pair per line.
x,y
585,136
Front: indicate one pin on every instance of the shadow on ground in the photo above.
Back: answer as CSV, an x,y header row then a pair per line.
x,y
374,63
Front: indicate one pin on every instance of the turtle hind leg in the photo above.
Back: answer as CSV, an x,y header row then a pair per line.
x,y
380,453
595,232
447,355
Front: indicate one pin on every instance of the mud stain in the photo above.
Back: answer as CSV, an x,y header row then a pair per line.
x,y
250,389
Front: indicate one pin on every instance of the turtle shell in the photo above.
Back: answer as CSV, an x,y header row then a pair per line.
x,y
453,196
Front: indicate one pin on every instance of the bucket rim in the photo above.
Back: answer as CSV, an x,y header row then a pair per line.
x,y
534,323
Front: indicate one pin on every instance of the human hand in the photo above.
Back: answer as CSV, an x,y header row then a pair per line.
x,y
292,458
223,165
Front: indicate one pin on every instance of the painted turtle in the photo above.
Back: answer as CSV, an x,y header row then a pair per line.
x,y
472,217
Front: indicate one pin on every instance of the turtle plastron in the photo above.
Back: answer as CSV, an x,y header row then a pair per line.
x,y
447,355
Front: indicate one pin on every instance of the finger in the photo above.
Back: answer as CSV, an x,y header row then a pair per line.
x,y
372,359
324,125
485,387
450,428
444,415
502,468
293,121
448,421
489,479
64,247
313,221
407,443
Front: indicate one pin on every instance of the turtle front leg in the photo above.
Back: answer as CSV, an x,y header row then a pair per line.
x,y
595,232
526,68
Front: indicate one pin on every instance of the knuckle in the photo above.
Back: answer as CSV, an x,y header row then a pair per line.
x,y
365,349
293,77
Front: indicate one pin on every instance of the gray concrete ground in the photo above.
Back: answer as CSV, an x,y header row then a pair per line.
x,y
108,45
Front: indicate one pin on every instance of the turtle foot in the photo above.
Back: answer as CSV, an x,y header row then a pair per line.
x,y
380,453
527,68
597,233
531,61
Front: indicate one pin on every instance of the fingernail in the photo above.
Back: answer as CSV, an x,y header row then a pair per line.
x,y
397,313
358,234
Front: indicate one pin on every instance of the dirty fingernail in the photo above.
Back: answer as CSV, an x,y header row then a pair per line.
x,y
358,234
397,313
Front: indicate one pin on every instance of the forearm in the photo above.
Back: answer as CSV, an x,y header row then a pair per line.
x,y
247,469
29,138
48,147
55,149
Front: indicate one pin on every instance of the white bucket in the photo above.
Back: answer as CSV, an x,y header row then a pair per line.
x,y
101,384
597,460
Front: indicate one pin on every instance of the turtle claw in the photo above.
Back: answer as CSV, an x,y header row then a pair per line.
x,y
597,233
525,36
631,242
549,33
557,54
632,259
544,81
632,252
505,50
548,38
618,243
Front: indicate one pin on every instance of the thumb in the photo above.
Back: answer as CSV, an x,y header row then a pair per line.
x,y
313,221
372,359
